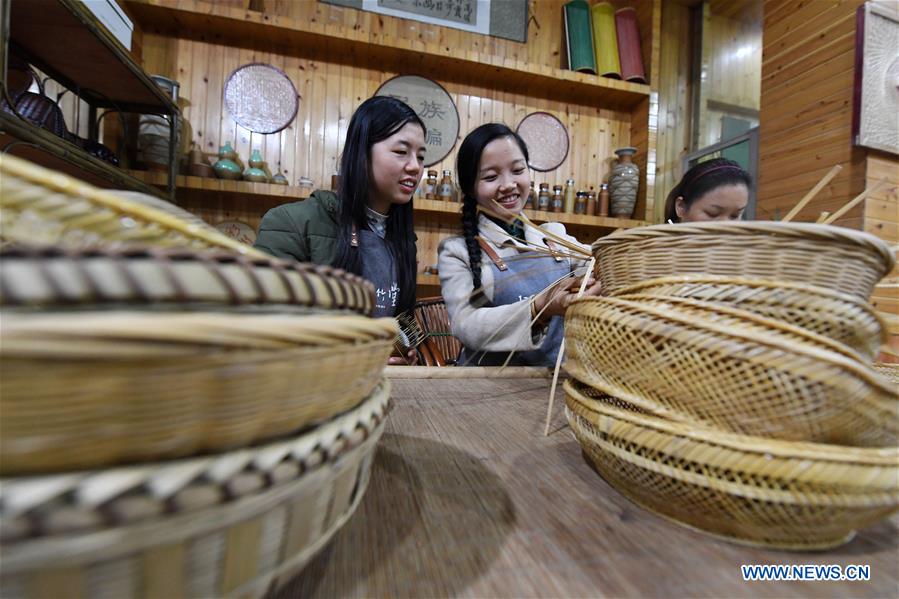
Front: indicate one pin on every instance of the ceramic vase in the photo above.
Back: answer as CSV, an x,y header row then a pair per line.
x,y
226,166
256,171
623,184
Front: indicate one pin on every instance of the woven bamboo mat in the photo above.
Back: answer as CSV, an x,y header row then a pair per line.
x,y
467,498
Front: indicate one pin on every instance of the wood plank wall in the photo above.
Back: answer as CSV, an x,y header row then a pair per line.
x,y
332,87
806,127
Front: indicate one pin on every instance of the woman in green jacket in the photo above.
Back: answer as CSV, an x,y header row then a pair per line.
x,y
366,228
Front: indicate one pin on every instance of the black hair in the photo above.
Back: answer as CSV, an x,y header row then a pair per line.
x,y
468,162
703,178
375,120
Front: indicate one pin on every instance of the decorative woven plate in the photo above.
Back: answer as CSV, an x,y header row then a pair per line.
x,y
113,387
752,490
261,98
546,139
235,229
826,256
151,278
233,524
434,106
43,206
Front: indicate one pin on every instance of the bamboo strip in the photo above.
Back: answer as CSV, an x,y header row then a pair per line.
x,y
812,193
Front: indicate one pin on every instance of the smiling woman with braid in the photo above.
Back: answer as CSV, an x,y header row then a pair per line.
x,y
489,275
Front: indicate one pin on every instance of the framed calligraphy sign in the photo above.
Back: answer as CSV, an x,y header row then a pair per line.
x,y
435,107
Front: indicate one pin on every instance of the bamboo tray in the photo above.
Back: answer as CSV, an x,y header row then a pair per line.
x,y
43,206
102,388
235,524
752,490
44,277
689,364
839,316
835,258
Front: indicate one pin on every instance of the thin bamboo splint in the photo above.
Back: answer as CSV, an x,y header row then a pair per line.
x,y
752,490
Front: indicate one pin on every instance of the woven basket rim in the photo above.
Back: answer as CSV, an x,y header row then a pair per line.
x,y
825,233
824,355
766,321
45,178
762,447
320,445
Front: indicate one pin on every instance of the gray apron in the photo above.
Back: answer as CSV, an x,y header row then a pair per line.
x,y
379,267
520,279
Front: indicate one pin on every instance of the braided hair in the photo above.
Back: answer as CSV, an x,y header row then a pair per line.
x,y
703,178
468,164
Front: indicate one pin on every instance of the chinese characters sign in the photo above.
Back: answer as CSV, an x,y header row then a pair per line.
x,y
435,107
457,11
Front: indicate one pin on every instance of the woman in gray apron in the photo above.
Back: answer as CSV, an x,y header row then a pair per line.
x,y
489,275
366,228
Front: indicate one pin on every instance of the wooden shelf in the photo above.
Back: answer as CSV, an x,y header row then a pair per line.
x,y
539,216
210,186
65,40
235,26
428,279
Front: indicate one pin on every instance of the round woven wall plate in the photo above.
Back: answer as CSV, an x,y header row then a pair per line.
x,y
261,98
433,104
547,140
240,231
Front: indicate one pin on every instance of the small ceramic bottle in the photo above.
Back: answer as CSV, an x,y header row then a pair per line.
x,y
603,208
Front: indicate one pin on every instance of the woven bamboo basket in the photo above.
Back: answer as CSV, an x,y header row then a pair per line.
x,y
43,206
832,257
838,316
752,490
102,388
233,525
677,362
176,278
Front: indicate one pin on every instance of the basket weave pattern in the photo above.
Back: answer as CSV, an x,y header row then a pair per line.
x,y
111,387
835,258
838,316
672,363
230,525
748,489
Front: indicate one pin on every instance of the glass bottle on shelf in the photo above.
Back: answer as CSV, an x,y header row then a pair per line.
x,y
558,200
531,203
590,199
603,208
580,203
543,202
446,191
570,197
430,187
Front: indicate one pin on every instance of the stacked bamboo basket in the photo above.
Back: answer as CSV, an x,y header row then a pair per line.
x,y
726,379
181,415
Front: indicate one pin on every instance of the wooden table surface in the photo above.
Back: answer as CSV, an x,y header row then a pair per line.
x,y
468,498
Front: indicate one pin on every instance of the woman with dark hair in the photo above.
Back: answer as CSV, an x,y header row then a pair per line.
x,y
366,228
713,190
499,276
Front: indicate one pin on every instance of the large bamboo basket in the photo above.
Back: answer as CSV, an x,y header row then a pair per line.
x,y
838,316
104,388
679,363
832,257
177,278
233,525
43,206
753,490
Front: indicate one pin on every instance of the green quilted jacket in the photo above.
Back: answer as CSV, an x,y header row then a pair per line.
x,y
305,231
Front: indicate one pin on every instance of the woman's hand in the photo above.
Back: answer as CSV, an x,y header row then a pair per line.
x,y
411,359
557,298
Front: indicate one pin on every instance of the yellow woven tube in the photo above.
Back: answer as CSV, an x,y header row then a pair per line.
x,y
685,363
754,490
605,39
